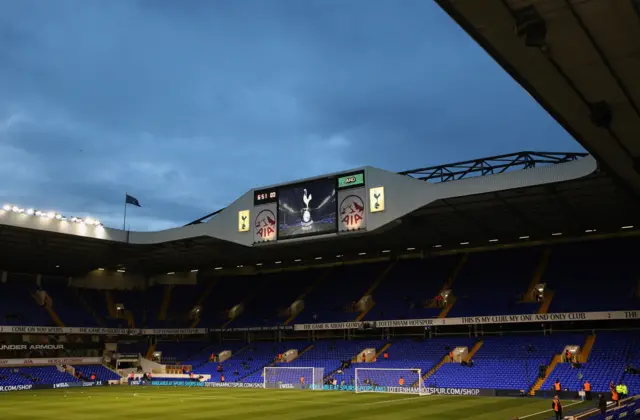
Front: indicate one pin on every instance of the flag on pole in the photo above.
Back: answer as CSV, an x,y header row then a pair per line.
x,y
132,200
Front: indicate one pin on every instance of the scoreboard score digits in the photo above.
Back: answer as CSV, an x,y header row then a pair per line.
x,y
265,196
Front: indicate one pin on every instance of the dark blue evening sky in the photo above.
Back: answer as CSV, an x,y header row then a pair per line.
x,y
188,104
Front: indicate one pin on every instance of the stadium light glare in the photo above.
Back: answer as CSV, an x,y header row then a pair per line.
x,y
194,270
240,266
57,266
171,273
318,258
121,271
297,260
556,234
51,215
627,227
524,237
218,268
411,249
278,262
464,243
589,231
437,246
362,253
339,256
386,251
100,269
493,240
258,264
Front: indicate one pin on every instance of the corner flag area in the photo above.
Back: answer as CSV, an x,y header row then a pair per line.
x,y
168,403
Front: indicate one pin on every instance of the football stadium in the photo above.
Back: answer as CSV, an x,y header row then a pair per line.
x,y
497,288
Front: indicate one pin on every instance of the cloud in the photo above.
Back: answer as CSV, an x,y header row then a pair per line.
x,y
188,106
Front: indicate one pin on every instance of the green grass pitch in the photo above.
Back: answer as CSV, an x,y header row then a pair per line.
x,y
119,402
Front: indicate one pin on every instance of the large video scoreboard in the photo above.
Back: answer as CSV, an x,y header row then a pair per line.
x,y
315,207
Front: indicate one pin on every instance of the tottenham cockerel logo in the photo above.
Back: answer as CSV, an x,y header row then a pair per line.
x,y
265,226
352,212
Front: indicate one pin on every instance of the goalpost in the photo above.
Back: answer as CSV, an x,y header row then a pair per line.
x,y
282,377
394,381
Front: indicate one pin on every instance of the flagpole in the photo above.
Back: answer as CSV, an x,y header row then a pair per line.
x,y
124,222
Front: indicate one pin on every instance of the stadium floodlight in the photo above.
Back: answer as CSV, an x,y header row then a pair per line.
x,y
386,251
339,256
391,380
278,262
437,246
297,260
524,237
195,270
281,377
464,243
556,234
589,231
171,273
493,240
362,253
122,271
6,207
218,268
30,212
318,258
627,227
410,249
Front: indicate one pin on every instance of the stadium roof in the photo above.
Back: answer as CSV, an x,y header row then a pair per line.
x,y
579,59
564,193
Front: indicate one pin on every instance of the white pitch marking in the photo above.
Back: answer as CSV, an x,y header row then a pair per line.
x,y
395,400
542,412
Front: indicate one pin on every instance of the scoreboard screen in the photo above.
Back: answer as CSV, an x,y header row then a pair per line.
x,y
265,196
307,209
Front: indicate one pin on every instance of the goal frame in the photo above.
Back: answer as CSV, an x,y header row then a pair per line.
x,y
419,387
313,386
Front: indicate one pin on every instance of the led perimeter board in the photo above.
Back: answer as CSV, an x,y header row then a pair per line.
x,y
308,208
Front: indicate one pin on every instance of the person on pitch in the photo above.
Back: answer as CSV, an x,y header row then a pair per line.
x,y
587,390
556,405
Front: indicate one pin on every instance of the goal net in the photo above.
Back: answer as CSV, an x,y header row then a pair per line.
x,y
394,381
280,377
